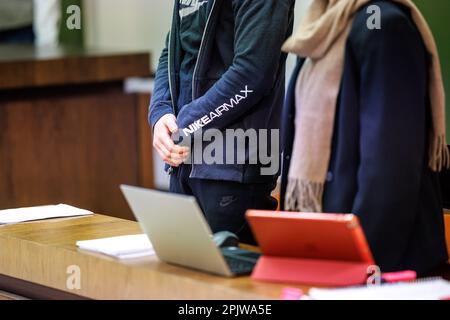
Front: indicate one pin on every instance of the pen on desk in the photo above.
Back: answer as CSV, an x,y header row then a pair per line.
x,y
400,276
291,294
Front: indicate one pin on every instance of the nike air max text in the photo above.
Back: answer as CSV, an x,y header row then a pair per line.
x,y
218,112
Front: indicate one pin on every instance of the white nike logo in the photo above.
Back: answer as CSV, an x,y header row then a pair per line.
x,y
194,6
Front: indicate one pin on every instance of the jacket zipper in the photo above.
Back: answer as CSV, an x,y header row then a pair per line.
x,y
169,63
169,70
196,68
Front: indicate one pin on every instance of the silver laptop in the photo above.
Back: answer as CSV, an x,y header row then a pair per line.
x,y
180,234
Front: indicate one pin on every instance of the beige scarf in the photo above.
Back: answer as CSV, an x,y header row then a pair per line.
x,y
321,38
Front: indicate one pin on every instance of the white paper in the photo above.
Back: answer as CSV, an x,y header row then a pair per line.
x,y
11,216
124,247
422,290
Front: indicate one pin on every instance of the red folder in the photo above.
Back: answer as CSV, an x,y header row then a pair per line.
x,y
310,249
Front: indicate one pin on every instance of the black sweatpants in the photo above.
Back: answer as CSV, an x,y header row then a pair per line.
x,y
224,203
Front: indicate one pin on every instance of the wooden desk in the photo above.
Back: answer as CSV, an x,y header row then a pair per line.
x,y
40,253
69,132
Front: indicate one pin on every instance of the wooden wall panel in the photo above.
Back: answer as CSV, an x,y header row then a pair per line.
x,y
146,177
73,145
24,66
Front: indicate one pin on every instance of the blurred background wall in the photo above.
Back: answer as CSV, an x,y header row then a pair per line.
x,y
131,24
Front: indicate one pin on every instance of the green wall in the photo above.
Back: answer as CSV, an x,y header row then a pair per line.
x,y
70,37
437,13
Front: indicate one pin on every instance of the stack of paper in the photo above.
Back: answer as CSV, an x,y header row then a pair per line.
x,y
436,289
11,216
125,247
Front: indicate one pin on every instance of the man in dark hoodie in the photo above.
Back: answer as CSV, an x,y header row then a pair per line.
x,y
222,68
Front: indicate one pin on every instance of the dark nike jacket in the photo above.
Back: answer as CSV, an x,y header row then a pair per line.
x,y
240,64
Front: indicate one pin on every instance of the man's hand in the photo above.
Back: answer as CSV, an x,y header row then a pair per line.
x,y
169,152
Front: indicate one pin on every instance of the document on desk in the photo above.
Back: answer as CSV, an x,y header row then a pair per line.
x,y
437,289
122,248
19,215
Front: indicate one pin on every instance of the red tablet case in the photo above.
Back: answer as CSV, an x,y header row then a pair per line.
x,y
310,248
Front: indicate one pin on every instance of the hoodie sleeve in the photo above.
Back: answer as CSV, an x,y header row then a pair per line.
x,y
261,27
161,103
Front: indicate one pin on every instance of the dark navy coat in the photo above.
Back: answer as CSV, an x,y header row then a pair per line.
x,y
378,168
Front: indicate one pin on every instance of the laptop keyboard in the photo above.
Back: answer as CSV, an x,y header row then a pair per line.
x,y
240,261
240,266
